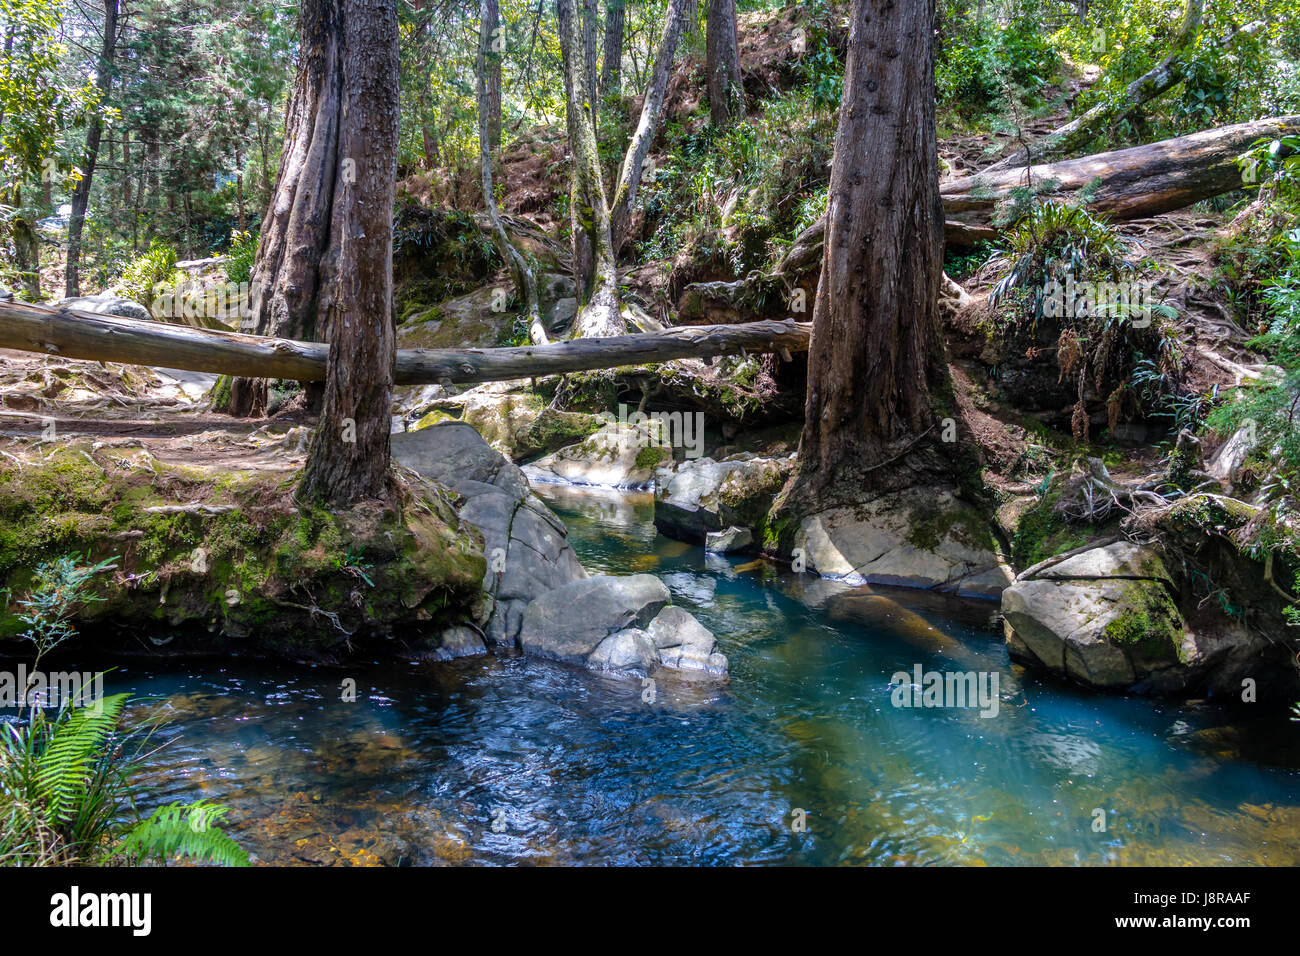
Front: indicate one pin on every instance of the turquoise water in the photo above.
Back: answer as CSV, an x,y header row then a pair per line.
x,y
800,759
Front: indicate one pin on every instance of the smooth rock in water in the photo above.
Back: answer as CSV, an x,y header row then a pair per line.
x,y
686,644
919,538
525,543
704,495
105,304
456,642
570,622
727,542
631,649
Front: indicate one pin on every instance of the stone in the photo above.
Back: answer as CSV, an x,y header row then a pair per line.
x,y
731,540
918,538
569,622
703,495
105,303
457,642
631,649
686,644
616,456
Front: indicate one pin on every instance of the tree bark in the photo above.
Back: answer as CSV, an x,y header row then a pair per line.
x,y
877,359
521,271
492,75
81,194
722,63
71,334
629,180
611,63
594,266
590,49
349,456
288,272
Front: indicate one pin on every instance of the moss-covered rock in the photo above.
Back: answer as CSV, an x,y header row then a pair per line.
x,y
220,555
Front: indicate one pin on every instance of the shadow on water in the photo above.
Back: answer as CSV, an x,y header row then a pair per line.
x,y
517,760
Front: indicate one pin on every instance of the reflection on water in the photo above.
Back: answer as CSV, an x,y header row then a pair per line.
x,y
495,761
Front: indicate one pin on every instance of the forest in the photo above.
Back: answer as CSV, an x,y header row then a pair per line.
x,y
649,432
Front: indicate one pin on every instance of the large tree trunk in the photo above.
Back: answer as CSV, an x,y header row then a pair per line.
x,y
722,63
81,194
629,180
876,358
349,456
73,334
287,273
611,63
492,76
520,270
590,50
594,266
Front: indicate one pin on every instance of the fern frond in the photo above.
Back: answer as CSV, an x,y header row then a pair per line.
x,y
188,831
66,762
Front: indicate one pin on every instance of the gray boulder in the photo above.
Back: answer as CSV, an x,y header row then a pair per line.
x,y
704,495
104,303
570,622
729,541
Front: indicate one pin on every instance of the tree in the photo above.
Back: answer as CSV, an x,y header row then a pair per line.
x,y
81,195
349,456
722,63
521,271
611,62
876,360
598,227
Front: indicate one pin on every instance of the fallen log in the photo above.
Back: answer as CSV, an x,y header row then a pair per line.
x,y
1123,184
84,335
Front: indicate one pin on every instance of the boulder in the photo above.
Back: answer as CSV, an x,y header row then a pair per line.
x,y
704,496
1108,618
619,455
685,644
918,538
570,622
105,303
526,545
731,540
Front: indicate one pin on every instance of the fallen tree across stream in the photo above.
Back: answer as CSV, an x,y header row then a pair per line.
x,y
83,335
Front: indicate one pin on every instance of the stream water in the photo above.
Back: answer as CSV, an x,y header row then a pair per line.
x,y
801,759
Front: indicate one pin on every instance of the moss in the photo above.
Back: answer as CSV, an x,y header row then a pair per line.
x,y
650,456
433,418
305,580
1148,622
1042,533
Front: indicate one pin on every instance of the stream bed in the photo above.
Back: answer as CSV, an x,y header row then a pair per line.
x,y
802,758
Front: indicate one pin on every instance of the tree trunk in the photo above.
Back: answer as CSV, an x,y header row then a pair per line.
x,y
877,358
722,63
71,334
81,194
288,272
349,456
520,271
495,46
593,252
611,63
629,180
590,30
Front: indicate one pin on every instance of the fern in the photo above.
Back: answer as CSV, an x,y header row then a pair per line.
x,y
187,831
69,757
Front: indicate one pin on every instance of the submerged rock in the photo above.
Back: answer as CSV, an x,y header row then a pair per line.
x,y
918,538
728,542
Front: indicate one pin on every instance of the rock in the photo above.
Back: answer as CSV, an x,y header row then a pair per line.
x,y
570,622
560,316
1227,462
1106,617
456,642
686,644
729,541
106,304
631,649
526,545
704,495
919,538
619,455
